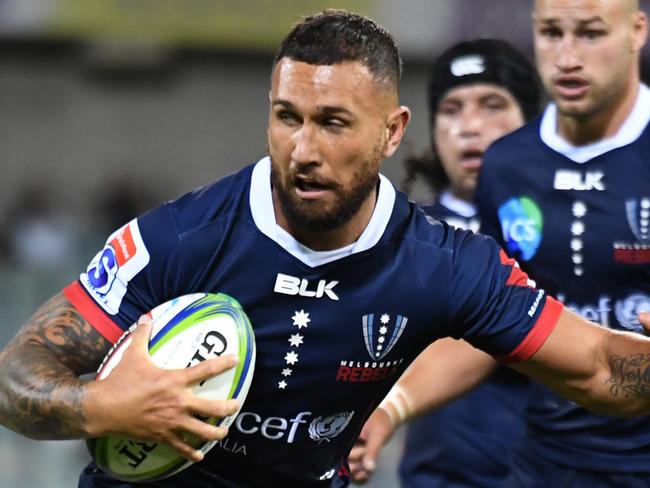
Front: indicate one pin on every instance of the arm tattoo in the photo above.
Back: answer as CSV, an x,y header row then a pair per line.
x,y
40,392
630,376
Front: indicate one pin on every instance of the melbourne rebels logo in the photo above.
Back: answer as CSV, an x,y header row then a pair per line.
x,y
380,335
638,216
637,212
323,429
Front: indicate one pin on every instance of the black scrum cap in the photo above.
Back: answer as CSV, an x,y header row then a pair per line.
x,y
486,61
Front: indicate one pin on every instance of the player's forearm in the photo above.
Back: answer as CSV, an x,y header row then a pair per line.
x,y
444,371
40,393
605,371
621,383
40,398
627,383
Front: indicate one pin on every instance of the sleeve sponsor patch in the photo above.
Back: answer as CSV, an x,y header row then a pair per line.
x,y
108,274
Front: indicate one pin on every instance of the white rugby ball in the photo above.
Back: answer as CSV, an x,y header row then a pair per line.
x,y
186,330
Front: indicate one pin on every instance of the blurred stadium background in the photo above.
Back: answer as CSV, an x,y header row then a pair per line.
x,y
109,107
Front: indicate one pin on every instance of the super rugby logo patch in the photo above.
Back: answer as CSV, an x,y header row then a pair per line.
x,y
382,333
110,271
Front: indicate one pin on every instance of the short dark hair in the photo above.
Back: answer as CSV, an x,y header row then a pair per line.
x,y
334,36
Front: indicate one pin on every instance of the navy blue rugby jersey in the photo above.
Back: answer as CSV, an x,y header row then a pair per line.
x,y
577,220
334,330
454,211
480,428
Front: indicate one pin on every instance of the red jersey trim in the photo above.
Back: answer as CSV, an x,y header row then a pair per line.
x,y
89,310
517,276
538,334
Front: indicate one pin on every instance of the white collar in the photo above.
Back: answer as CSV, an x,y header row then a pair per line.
x,y
461,207
631,129
261,202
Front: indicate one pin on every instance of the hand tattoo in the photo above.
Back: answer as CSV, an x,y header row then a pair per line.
x,y
630,376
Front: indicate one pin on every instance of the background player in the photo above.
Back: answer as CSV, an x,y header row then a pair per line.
x,y
582,203
316,245
580,200
479,90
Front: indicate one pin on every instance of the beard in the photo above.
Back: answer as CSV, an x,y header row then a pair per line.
x,y
312,215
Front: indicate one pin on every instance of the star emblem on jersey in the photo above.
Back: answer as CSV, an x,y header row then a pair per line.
x,y
295,340
380,340
577,228
301,319
291,358
579,210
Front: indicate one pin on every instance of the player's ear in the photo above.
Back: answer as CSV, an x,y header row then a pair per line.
x,y
396,124
640,31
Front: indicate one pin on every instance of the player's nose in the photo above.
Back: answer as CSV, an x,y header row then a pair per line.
x,y
305,145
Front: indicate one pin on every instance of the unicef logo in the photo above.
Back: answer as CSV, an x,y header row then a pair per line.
x,y
521,224
102,270
626,311
323,429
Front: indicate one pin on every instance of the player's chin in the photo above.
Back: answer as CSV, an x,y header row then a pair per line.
x,y
574,107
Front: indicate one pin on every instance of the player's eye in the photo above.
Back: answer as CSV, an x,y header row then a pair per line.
x,y
334,122
287,117
592,33
447,108
550,32
495,103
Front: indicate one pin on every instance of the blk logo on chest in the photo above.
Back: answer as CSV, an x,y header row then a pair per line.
x,y
566,179
292,285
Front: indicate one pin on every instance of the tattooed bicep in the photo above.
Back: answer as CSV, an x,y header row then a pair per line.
x,y
58,326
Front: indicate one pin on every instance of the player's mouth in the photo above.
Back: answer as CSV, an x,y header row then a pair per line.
x,y
571,87
310,189
471,159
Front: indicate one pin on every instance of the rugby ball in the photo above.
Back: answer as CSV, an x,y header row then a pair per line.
x,y
186,330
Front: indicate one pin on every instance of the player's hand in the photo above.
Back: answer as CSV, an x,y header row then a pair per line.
x,y
377,430
644,318
144,402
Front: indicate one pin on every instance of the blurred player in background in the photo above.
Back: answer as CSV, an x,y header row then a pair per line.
x,y
478,91
569,198
572,189
344,280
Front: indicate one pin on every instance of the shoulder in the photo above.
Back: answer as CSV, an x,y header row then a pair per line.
x,y
204,205
426,230
525,140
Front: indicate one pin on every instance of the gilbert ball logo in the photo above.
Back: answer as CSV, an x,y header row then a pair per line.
x,y
521,224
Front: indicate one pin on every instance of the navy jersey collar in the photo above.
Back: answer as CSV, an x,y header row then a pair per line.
x,y
630,131
261,204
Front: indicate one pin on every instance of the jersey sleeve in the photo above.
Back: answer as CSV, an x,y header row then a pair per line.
x,y
137,269
494,305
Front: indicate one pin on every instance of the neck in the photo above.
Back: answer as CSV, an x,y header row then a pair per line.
x,y
465,195
583,129
332,239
